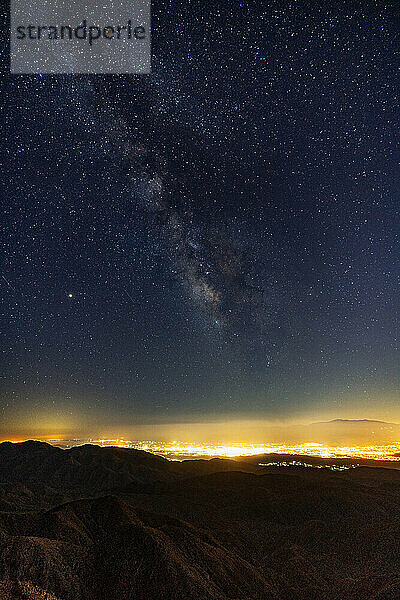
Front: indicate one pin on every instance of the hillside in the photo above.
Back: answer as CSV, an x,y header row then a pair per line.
x,y
92,469
199,530
23,590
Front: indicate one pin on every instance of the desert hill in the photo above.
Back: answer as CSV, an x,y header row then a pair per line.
x,y
22,590
92,469
104,548
201,530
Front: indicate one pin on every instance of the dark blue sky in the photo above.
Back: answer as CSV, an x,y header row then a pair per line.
x,y
218,238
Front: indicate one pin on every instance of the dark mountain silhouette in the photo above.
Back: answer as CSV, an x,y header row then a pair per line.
x,y
95,523
85,467
352,431
355,421
92,469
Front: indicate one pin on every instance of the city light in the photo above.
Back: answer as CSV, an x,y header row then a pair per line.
x,y
179,450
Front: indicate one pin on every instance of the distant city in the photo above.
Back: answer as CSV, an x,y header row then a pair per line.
x,y
176,450
299,463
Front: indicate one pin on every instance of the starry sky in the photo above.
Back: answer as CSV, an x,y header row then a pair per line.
x,y
216,240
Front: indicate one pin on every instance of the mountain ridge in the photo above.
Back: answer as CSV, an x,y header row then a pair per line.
x,y
93,523
372,421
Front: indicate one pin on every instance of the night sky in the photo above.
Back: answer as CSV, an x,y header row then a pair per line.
x,y
216,240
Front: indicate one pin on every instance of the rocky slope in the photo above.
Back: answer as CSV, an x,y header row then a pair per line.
x,y
104,523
